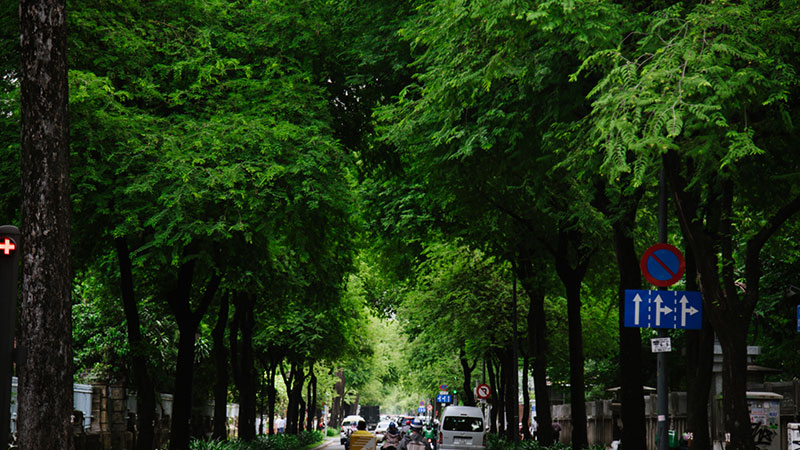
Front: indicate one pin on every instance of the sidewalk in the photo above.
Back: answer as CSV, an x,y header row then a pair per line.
x,y
327,442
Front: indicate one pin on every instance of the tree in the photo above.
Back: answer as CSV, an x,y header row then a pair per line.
x,y
708,88
46,319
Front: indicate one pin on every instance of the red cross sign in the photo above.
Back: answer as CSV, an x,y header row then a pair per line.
x,y
7,246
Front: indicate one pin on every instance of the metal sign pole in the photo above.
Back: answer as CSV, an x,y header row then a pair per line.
x,y
661,358
9,265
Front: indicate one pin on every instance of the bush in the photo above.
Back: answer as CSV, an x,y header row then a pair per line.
x,y
275,442
495,442
332,432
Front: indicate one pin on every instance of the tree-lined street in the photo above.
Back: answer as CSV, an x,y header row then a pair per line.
x,y
309,208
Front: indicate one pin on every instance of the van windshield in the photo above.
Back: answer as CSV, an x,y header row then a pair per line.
x,y
455,423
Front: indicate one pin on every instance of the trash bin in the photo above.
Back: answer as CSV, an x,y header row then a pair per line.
x,y
672,439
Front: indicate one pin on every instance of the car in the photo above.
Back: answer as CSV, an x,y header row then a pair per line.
x,y
462,428
349,425
380,430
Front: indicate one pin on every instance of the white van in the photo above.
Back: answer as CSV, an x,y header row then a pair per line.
x,y
462,429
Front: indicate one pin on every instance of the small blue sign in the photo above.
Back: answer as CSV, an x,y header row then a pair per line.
x,y
421,409
664,309
441,398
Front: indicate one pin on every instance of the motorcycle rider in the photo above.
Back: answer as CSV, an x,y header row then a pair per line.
x,y
430,435
415,440
361,439
391,440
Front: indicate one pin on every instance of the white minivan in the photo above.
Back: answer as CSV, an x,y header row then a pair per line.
x,y
462,429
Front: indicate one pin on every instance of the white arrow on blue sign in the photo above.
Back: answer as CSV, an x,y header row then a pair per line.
x,y
444,398
663,309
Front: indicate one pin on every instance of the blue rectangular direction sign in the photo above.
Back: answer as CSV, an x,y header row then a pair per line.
x,y
444,398
663,309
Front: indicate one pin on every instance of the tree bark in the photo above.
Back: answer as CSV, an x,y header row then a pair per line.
x,y
537,329
311,396
188,321
245,364
630,340
572,279
510,369
46,307
497,402
466,368
221,364
336,408
146,393
700,361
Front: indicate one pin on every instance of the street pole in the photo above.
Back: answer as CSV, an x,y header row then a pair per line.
x,y
661,358
515,385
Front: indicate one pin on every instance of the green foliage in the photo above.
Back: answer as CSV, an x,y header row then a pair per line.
x,y
696,81
281,441
498,442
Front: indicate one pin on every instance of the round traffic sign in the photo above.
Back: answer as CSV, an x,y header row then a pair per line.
x,y
483,391
662,265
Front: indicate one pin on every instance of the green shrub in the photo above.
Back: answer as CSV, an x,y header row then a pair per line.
x,y
275,442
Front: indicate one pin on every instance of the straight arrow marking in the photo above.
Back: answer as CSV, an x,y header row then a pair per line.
x,y
636,301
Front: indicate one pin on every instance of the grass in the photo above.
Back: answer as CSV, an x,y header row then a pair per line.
x,y
305,439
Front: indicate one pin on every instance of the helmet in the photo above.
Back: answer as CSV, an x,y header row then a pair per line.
x,y
392,427
416,424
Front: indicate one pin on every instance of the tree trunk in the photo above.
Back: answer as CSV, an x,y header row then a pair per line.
x,y
466,368
501,395
700,358
272,393
526,399
711,241
146,394
630,340
188,321
537,321
246,382
336,408
311,397
572,279
45,387
510,370
220,431
497,402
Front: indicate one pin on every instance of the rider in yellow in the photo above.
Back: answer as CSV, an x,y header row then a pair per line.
x,y
362,439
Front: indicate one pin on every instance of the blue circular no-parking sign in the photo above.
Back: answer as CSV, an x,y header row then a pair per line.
x,y
662,265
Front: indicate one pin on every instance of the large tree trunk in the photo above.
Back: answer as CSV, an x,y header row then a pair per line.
x,y
336,408
630,339
537,328
501,394
511,369
220,431
700,358
572,279
245,364
146,394
45,388
188,321
466,368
